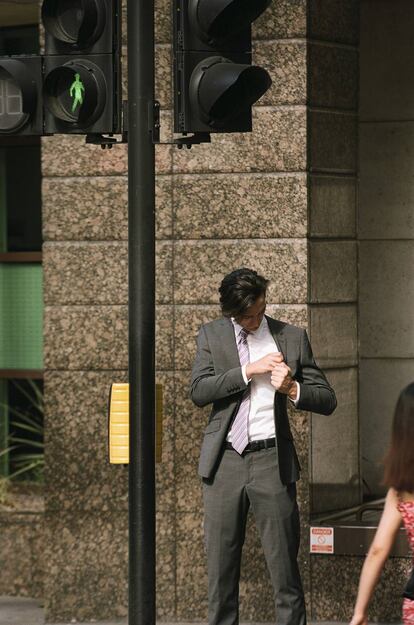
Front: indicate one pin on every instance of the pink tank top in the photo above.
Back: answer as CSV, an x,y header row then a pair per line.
x,y
406,509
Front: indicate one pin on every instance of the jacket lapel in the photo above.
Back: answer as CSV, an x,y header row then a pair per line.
x,y
277,331
281,418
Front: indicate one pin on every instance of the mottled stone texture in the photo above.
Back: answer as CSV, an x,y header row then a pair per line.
x,y
334,21
332,207
245,199
21,548
278,143
200,201
333,142
333,272
333,76
333,331
284,262
100,211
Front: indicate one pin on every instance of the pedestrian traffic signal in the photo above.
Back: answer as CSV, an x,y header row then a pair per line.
x,y
76,86
21,95
214,79
82,88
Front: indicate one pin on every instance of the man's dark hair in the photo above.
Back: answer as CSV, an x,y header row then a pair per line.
x,y
239,290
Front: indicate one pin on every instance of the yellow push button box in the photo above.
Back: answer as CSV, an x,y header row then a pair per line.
x,y
119,423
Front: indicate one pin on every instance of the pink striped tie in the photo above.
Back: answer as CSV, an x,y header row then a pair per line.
x,y
239,430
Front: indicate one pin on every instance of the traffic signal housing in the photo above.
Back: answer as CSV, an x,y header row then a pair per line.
x,y
214,79
82,73
21,95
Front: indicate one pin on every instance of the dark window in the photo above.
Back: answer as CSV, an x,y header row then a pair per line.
x,y
23,198
19,40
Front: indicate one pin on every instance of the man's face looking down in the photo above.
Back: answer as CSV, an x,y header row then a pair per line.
x,y
251,319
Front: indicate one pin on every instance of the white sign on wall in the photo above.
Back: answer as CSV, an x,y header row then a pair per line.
x,y
321,540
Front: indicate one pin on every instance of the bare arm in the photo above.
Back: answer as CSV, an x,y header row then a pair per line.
x,y
378,553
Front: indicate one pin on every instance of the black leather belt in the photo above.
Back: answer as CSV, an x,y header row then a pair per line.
x,y
254,445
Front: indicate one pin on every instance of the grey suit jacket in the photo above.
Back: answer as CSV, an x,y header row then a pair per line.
x,y
217,379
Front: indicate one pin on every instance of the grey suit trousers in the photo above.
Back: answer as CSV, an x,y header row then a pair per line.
x,y
240,482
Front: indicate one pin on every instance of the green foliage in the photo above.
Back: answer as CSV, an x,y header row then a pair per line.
x,y
28,460
4,483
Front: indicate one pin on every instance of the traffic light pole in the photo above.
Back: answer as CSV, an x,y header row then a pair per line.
x,y
141,237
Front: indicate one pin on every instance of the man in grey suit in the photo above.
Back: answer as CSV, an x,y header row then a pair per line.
x,y
248,366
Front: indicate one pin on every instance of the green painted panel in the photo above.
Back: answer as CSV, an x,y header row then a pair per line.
x,y
21,316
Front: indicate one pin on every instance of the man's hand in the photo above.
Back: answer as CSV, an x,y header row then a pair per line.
x,y
264,365
282,380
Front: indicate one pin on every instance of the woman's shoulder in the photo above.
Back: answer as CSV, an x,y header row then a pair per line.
x,y
405,496
405,502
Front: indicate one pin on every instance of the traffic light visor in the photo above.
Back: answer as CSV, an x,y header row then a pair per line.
x,y
224,89
216,20
18,96
75,22
75,93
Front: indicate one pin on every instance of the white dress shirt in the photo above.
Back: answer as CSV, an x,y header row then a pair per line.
x,y
261,423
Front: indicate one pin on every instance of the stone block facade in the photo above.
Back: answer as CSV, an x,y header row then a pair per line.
x,y
282,200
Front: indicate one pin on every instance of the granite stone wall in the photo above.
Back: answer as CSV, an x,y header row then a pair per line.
x,y
282,200
21,546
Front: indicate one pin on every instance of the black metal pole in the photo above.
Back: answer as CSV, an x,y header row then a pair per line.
x,y
141,235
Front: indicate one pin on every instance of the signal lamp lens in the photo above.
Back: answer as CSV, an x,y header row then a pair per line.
x,y
219,19
75,93
69,18
12,116
78,23
221,89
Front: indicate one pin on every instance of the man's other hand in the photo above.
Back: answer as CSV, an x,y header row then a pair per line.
x,y
264,365
282,380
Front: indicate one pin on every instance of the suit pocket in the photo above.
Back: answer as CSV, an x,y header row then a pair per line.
x,y
213,426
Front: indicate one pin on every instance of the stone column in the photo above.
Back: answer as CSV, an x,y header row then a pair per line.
x,y
333,93
386,226
384,289
332,135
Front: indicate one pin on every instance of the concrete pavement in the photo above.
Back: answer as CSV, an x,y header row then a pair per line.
x,y
22,611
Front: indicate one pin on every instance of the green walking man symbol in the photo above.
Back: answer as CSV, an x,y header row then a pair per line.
x,y
76,92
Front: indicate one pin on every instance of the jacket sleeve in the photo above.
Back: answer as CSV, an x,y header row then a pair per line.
x,y
316,394
206,385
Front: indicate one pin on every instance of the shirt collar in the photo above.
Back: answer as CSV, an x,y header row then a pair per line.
x,y
238,328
